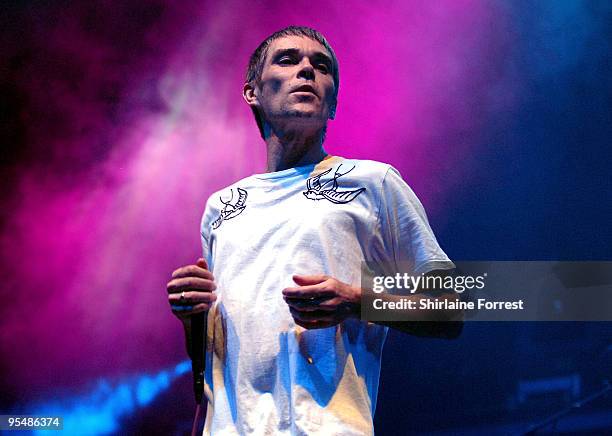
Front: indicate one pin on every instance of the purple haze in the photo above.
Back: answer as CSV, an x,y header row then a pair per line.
x,y
133,115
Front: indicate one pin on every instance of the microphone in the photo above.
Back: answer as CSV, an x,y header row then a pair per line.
x,y
196,343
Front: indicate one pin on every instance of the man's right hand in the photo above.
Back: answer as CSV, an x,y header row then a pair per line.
x,y
190,290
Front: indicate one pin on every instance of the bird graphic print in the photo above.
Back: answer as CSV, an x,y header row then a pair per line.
x,y
231,210
328,190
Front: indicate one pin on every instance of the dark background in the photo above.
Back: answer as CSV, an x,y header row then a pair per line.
x,y
513,163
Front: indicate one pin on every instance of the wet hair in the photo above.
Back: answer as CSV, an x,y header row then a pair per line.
x,y
258,59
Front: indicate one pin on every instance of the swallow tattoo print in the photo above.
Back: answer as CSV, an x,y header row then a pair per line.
x,y
328,190
231,209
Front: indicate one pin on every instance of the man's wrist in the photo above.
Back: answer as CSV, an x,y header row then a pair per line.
x,y
356,292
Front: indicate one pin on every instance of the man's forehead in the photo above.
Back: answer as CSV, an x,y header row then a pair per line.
x,y
297,42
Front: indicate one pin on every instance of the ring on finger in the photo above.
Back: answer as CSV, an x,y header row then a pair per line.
x,y
183,297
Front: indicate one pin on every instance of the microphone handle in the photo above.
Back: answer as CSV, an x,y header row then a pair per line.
x,y
198,330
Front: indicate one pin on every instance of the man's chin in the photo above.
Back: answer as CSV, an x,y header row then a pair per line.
x,y
299,118
305,115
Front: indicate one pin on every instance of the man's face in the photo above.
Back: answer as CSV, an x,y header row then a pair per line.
x,y
297,84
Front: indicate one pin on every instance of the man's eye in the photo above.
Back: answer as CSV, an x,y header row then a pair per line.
x,y
285,60
323,68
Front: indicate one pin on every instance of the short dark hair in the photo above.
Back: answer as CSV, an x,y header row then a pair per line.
x,y
258,58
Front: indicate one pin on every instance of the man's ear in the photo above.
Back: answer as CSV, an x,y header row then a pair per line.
x,y
249,94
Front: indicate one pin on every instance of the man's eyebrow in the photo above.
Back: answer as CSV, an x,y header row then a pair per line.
x,y
323,56
284,51
295,51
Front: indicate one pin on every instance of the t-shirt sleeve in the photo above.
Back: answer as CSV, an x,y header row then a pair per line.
x,y
205,224
405,232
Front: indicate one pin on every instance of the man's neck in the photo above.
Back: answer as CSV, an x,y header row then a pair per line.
x,y
293,149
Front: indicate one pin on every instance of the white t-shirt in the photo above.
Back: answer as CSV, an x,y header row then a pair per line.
x,y
264,374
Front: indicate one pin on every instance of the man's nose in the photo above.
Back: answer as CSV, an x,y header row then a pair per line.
x,y
306,70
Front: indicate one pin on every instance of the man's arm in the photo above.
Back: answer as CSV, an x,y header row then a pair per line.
x,y
191,291
439,323
436,323
321,301
427,329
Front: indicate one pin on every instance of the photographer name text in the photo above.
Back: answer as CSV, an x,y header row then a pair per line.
x,y
427,303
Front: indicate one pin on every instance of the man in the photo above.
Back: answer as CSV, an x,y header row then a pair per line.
x,y
287,351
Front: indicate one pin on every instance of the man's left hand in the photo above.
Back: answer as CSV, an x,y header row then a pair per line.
x,y
321,301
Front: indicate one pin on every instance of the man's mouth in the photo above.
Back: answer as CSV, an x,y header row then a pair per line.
x,y
306,89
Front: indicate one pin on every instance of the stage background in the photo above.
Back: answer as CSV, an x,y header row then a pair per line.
x,y
119,119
